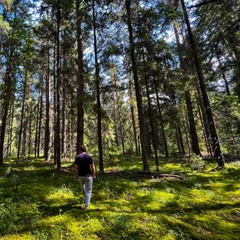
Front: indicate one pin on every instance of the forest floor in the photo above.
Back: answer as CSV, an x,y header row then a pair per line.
x,y
38,202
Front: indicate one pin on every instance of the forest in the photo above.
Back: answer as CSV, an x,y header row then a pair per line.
x,y
150,87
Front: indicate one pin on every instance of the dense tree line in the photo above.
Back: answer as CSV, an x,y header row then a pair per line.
x,y
155,78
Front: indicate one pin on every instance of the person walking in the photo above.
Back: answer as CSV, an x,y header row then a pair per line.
x,y
85,172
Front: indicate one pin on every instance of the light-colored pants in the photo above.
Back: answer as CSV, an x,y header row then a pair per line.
x,y
86,183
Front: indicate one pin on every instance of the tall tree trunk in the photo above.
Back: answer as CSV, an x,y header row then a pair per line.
x,y
36,126
120,124
215,142
70,138
142,122
7,97
153,131
64,105
164,139
64,115
40,125
205,134
5,103
80,80
22,120
133,117
115,112
193,131
24,132
57,144
47,138
10,134
121,128
99,107
116,121
180,141
30,133
178,129
204,118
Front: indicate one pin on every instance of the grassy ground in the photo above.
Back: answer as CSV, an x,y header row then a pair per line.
x,y
37,202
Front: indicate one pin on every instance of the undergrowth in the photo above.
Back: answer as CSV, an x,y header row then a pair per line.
x,y
38,202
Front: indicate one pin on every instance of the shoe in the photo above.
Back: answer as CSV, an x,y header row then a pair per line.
x,y
85,208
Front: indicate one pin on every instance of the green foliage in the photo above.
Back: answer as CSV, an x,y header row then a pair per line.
x,y
4,26
18,214
227,118
125,205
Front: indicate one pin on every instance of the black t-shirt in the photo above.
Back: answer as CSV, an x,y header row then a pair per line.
x,y
84,161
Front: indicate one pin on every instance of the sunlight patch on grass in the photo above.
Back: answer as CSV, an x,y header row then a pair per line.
x,y
79,228
29,168
59,196
165,197
200,196
133,167
158,199
171,167
56,221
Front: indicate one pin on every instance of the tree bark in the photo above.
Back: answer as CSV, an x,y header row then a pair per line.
x,y
153,131
193,131
57,145
10,134
47,139
38,121
133,117
7,97
180,140
214,137
118,113
164,139
142,123
30,133
21,142
115,111
40,124
98,83
64,115
80,79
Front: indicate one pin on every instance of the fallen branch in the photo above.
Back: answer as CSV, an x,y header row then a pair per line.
x,y
161,175
172,175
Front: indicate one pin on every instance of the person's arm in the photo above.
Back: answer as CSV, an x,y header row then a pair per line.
x,y
93,171
75,171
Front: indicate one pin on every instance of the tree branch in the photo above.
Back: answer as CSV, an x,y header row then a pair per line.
x,y
202,3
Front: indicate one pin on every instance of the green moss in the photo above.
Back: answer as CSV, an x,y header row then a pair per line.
x,y
40,203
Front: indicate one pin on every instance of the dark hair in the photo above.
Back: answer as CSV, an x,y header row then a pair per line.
x,y
82,148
